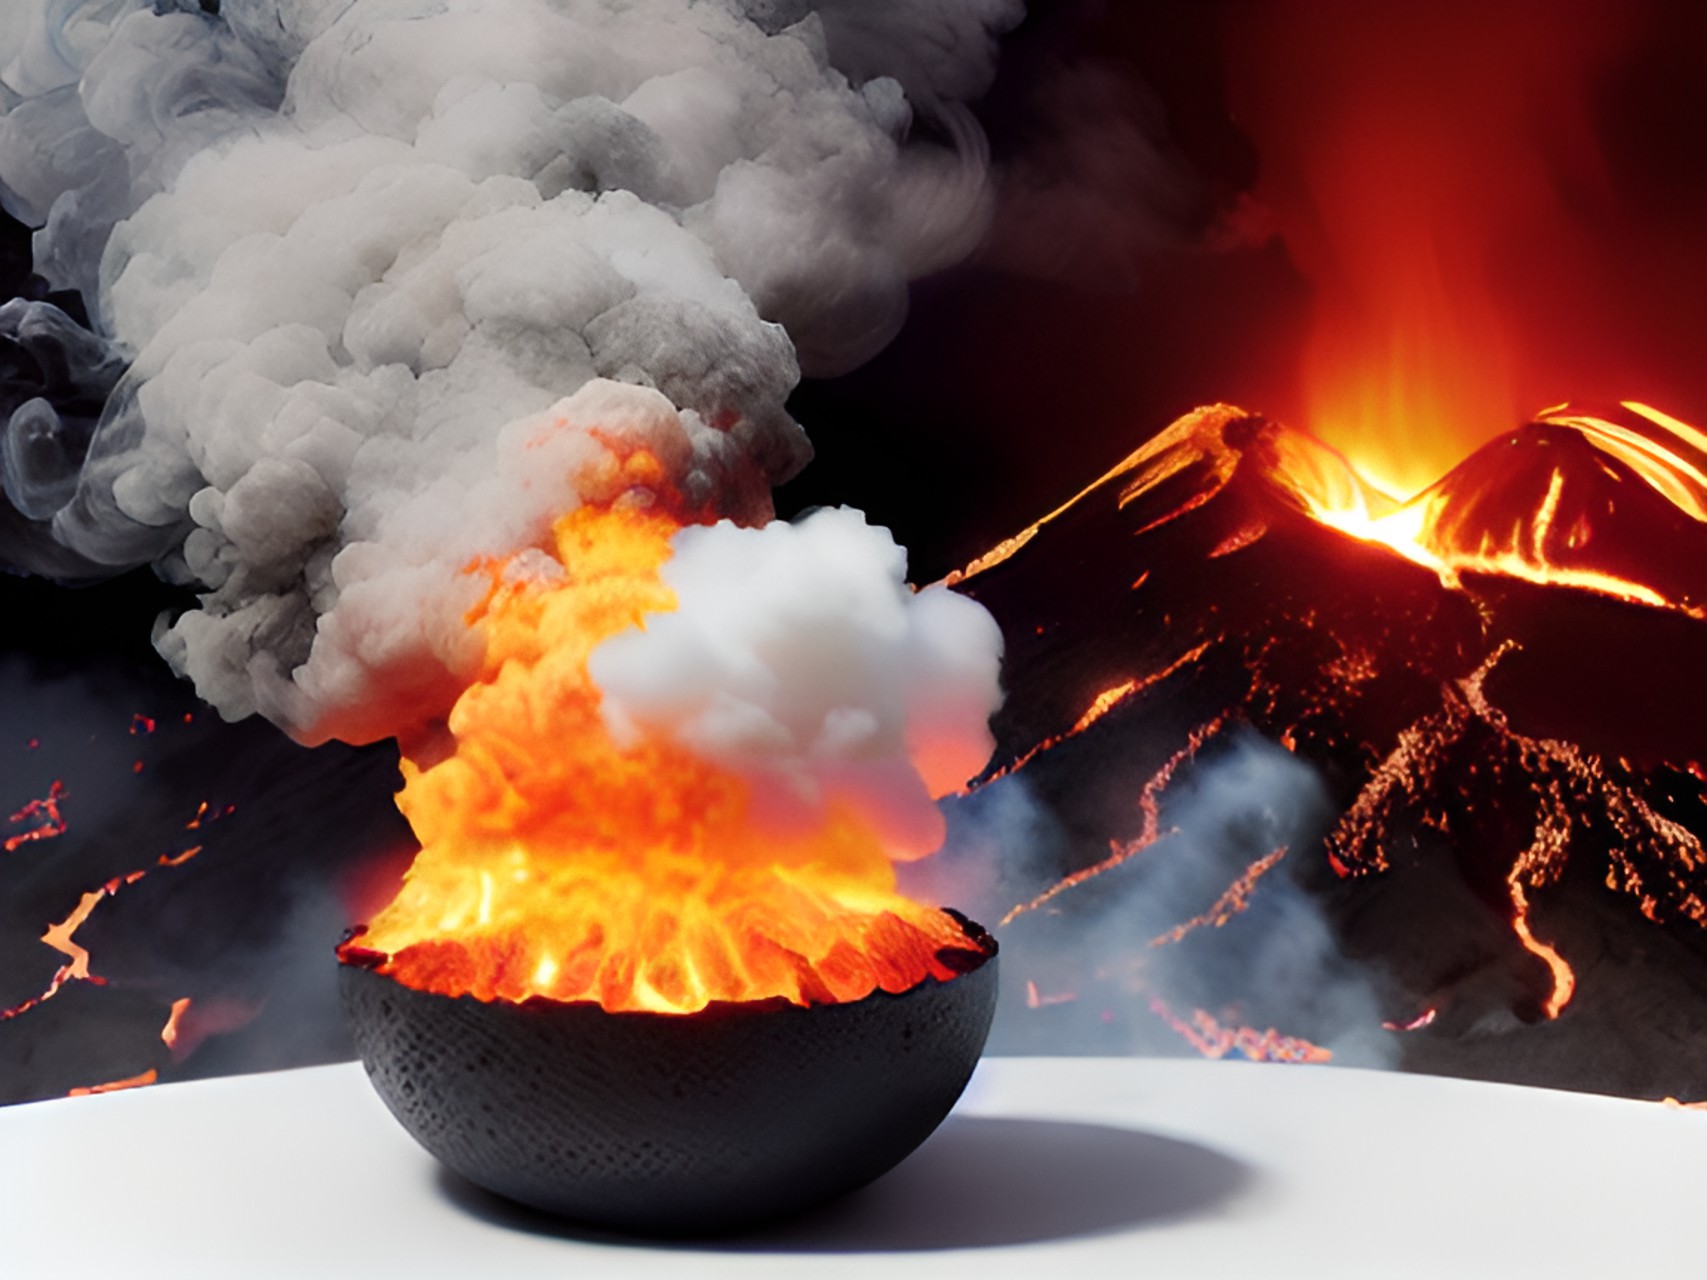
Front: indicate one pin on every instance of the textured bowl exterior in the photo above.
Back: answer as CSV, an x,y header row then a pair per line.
x,y
670,1124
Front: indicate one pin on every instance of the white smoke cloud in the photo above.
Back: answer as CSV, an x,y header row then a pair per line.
x,y
400,280
798,657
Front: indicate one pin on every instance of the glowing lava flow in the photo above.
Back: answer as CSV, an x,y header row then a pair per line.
x,y
1149,806
45,810
555,863
1572,787
1176,451
1100,706
62,934
1424,1019
169,1032
1564,977
1035,999
1667,452
1234,900
1542,505
148,1077
1206,1034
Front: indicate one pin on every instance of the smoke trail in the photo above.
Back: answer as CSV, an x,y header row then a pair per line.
x,y
394,283
1163,924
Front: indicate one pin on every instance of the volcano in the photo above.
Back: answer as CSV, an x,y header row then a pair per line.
x,y
1495,686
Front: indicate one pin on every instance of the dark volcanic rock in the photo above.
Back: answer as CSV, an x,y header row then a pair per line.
x,y
242,927
1490,754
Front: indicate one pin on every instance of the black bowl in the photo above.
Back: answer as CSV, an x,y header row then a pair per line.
x,y
668,1124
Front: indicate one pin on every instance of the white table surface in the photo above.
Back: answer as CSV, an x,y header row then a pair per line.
x,y
1050,1167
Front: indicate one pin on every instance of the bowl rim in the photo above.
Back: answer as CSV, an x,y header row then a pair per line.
x,y
984,948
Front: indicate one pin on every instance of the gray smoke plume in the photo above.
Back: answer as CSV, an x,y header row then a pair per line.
x,y
394,283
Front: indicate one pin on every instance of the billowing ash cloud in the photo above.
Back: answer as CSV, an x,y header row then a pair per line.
x,y
797,656
394,282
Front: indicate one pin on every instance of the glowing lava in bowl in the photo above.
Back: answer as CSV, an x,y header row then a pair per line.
x,y
650,968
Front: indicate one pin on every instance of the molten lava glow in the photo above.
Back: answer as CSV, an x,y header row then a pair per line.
x,y
169,1032
1445,527
1571,786
1671,455
1100,706
1206,1034
1468,240
1234,900
46,812
113,1086
1035,999
62,935
1554,808
1564,978
1150,811
556,864
1424,1019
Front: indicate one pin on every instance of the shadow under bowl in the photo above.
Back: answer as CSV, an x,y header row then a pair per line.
x,y
672,1124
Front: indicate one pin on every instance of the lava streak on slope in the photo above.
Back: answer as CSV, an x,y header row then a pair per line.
x,y
1206,1034
61,935
1510,802
45,812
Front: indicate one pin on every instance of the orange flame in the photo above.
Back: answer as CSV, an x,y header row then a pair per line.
x,y
555,863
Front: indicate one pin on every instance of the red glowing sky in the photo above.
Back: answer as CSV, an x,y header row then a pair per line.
x,y
1511,203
